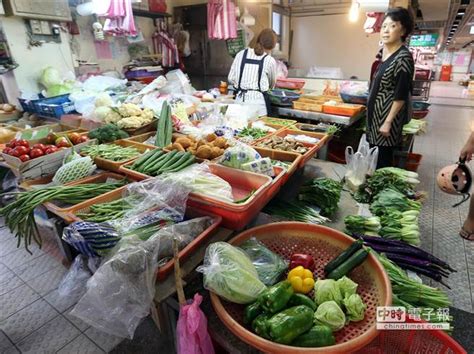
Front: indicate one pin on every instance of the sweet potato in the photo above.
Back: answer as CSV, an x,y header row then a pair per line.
x,y
204,152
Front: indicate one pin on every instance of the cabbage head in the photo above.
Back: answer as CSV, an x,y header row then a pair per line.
x,y
355,308
50,77
327,290
331,315
346,286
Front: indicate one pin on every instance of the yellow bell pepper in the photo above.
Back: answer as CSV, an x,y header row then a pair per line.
x,y
301,280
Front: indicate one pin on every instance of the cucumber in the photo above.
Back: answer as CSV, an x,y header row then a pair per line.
x,y
171,161
160,162
161,126
353,261
188,162
168,128
343,256
146,158
152,160
178,163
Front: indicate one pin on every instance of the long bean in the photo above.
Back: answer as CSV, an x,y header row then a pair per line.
x,y
111,152
19,217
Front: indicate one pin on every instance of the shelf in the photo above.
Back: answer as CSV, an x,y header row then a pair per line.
x,y
149,14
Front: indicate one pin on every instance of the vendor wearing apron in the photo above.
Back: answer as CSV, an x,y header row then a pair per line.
x,y
253,72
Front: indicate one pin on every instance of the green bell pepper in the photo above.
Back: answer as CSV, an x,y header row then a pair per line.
x,y
318,336
275,298
251,312
260,325
285,326
301,299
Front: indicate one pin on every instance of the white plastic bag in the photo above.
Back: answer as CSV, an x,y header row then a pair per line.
x,y
121,291
75,280
360,164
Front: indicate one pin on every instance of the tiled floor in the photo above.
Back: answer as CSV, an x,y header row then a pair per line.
x,y
34,317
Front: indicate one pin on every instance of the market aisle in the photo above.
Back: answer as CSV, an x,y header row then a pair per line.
x,y
34,318
448,129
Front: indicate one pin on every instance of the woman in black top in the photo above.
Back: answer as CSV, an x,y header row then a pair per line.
x,y
389,97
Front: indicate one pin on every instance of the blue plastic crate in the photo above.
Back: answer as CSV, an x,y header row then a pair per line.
x,y
54,107
354,99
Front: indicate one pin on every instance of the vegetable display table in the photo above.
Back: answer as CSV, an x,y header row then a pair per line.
x,y
319,117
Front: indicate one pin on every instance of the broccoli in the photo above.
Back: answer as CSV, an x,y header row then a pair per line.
x,y
107,133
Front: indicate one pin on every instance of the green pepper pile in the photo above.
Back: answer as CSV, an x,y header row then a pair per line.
x,y
285,317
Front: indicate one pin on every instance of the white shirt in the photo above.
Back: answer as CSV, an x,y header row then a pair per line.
x,y
250,78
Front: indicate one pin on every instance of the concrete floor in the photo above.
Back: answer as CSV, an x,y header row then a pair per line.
x,y
34,318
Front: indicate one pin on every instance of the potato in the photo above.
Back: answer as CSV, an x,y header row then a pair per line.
x,y
184,142
178,147
220,142
211,137
204,152
201,143
8,108
216,152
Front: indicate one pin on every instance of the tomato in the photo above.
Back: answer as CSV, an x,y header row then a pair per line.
x,y
24,158
75,138
23,142
83,139
51,138
15,153
21,150
50,150
62,142
39,146
7,150
12,143
36,153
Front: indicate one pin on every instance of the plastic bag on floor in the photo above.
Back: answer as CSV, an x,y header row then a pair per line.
x,y
75,280
192,328
121,291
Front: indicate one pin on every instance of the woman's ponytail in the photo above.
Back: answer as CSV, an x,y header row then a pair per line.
x,y
266,40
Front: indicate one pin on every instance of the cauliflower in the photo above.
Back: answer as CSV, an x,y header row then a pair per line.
x,y
132,122
129,110
103,100
102,112
147,115
112,117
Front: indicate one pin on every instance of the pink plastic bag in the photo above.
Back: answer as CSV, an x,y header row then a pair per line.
x,y
192,334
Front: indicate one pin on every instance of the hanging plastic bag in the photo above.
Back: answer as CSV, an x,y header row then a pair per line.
x,y
360,164
269,265
75,280
121,291
192,328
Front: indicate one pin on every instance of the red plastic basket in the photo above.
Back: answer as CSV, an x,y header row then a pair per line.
x,y
420,114
292,84
412,341
323,243
235,216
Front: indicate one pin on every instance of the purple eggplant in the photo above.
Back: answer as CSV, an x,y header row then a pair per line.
x,y
402,247
427,272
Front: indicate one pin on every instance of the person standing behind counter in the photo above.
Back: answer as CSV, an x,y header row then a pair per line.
x,y
388,106
253,72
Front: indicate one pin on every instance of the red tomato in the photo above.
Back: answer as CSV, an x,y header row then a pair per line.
x,y
36,153
23,142
7,150
12,143
15,153
51,150
24,158
21,150
83,139
39,146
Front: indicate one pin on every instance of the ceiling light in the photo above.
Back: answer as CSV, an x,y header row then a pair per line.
x,y
354,11
472,30
461,12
